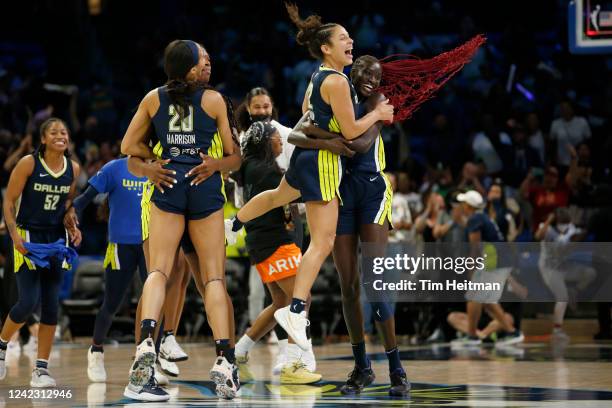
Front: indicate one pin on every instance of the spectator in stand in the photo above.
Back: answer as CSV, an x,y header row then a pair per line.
x,y
555,234
400,213
498,212
470,178
489,145
519,158
569,129
544,193
535,137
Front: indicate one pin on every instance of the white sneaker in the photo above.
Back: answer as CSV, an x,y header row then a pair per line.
x,y
223,375
144,363
295,325
95,367
230,236
507,339
41,379
31,345
160,378
167,367
171,351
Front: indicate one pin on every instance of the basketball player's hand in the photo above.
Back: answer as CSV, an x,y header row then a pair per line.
x,y
340,146
75,236
18,243
70,219
160,176
384,111
203,171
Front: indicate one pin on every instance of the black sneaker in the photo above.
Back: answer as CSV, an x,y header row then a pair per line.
x,y
400,386
358,379
150,392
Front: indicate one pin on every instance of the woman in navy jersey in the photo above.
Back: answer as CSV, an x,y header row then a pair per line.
x,y
315,175
188,118
45,181
365,216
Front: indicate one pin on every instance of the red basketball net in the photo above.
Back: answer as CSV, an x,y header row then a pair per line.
x,y
409,81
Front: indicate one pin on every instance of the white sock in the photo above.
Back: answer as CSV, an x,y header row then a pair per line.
x,y
294,353
244,345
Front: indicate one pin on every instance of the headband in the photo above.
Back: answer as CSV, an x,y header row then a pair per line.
x,y
195,52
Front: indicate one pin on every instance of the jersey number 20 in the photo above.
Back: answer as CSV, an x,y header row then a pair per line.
x,y
178,125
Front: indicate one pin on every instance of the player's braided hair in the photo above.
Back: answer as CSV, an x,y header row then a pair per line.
x,y
312,32
256,144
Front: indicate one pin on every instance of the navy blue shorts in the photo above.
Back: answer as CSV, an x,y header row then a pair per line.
x,y
316,173
194,202
366,199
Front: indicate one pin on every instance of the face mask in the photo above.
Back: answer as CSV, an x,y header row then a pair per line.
x,y
562,228
257,118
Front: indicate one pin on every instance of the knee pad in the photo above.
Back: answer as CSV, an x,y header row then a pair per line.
x,y
382,311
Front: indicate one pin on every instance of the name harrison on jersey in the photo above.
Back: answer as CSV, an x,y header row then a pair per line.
x,y
181,138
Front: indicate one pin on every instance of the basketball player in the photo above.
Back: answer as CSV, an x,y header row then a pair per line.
x,y
46,182
124,252
364,216
186,116
315,175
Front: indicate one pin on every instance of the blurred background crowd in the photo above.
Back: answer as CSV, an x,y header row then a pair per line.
x,y
526,124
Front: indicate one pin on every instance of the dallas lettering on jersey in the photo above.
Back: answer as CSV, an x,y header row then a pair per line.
x,y
181,138
49,188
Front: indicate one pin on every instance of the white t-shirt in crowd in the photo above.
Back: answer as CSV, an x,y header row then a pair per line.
x,y
284,158
571,132
483,148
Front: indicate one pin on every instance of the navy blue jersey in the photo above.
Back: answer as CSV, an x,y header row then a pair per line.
x,y
322,114
182,140
372,161
43,201
489,232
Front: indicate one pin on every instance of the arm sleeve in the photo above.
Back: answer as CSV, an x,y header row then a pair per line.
x,y
84,199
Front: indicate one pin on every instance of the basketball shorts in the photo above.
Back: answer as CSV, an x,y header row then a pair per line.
x,y
194,202
366,199
316,173
283,263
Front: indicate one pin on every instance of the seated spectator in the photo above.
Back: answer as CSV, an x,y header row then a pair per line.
x,y
544,192
569,129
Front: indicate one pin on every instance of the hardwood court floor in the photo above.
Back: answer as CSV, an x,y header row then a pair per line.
x,y
532,375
